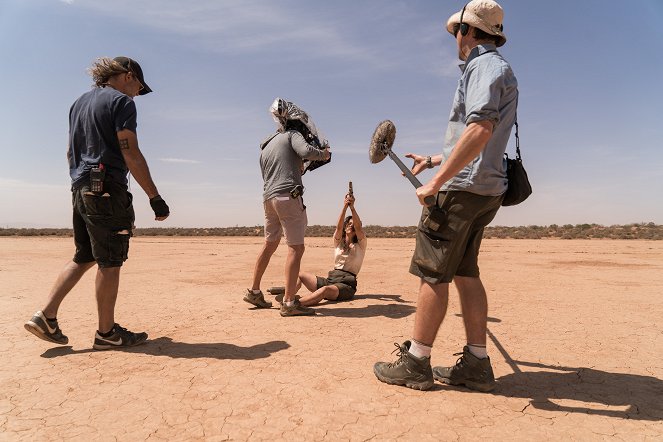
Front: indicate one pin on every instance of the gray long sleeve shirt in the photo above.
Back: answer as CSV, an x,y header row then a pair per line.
x,y
281,162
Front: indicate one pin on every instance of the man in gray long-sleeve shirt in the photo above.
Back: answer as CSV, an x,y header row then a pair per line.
x,y
281,163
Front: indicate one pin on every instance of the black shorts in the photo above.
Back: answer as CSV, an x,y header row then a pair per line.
x,y
103,223
346,283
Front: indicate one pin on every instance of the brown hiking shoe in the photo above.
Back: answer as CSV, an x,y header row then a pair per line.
x,y
256,299
296,310
470,371
408,370
279,298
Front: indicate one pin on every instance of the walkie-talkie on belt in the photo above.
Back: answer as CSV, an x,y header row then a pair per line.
x,y
97,175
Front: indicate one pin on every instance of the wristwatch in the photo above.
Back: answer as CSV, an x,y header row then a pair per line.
x,y
429,162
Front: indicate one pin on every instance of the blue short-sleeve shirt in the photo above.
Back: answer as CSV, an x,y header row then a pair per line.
x,y
487,90
94,120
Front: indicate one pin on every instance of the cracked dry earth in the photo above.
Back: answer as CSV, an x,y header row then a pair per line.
x,y
575,337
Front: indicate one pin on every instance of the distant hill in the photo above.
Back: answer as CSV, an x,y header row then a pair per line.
x,y
649,231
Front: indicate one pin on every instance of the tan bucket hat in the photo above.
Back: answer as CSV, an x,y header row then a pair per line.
x,y
486,15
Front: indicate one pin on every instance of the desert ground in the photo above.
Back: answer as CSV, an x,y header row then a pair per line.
x,y
575,338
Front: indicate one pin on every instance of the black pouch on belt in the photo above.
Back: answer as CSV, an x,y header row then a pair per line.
x,y
297,191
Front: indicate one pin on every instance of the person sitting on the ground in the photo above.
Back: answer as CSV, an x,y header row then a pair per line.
x,y
349,250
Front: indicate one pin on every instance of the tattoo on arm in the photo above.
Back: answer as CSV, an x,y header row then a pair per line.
x,y
124,144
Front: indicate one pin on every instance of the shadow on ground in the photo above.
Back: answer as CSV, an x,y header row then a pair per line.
x,y
381,297
393,311
638,396
165,346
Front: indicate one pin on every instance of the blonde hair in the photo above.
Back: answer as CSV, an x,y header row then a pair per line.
x,y
103,69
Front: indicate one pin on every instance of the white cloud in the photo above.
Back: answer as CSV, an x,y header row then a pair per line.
x,y
253,26
233,27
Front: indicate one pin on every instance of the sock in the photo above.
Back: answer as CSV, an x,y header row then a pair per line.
x,y
256,292
419,350
478,350
108,333
289,303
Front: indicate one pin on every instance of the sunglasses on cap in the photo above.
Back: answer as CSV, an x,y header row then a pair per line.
x,y
131,71
132,66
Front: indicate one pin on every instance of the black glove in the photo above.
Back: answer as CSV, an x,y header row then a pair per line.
x,y
159,206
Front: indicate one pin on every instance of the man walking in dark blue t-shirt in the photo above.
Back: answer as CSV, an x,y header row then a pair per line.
x,y
103,149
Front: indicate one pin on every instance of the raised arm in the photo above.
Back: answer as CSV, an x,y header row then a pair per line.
x,y
356,221
138,167
338,233
305,150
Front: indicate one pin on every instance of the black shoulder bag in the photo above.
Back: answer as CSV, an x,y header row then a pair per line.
x,y
519,187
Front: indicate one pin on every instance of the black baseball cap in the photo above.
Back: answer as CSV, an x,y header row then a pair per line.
x,y
133,66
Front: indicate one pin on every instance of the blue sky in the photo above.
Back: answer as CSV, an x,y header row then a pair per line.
x,y
590,102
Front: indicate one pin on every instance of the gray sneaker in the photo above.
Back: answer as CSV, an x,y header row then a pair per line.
x,y
45,329
121,337
408,370
296,310
257,299
470,371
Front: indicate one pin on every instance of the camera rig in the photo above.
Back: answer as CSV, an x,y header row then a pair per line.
x,y
288,115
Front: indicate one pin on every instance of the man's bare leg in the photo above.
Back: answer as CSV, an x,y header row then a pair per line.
x,y
431,309
66,280
292,264
262,262
106,285
474,304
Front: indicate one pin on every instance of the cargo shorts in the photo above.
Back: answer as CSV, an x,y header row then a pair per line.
x,y
453,248
103,223
346,283
284,214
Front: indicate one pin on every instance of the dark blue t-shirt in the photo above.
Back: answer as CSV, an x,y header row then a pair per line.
x,y
94,120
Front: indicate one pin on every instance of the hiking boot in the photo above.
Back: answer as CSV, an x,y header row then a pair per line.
x,y
279,298
120,338
276,290
46,329
408,370
257,299
470,371
296,310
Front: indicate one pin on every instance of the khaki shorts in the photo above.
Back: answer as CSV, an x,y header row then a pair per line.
x,y
453,249
285,215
